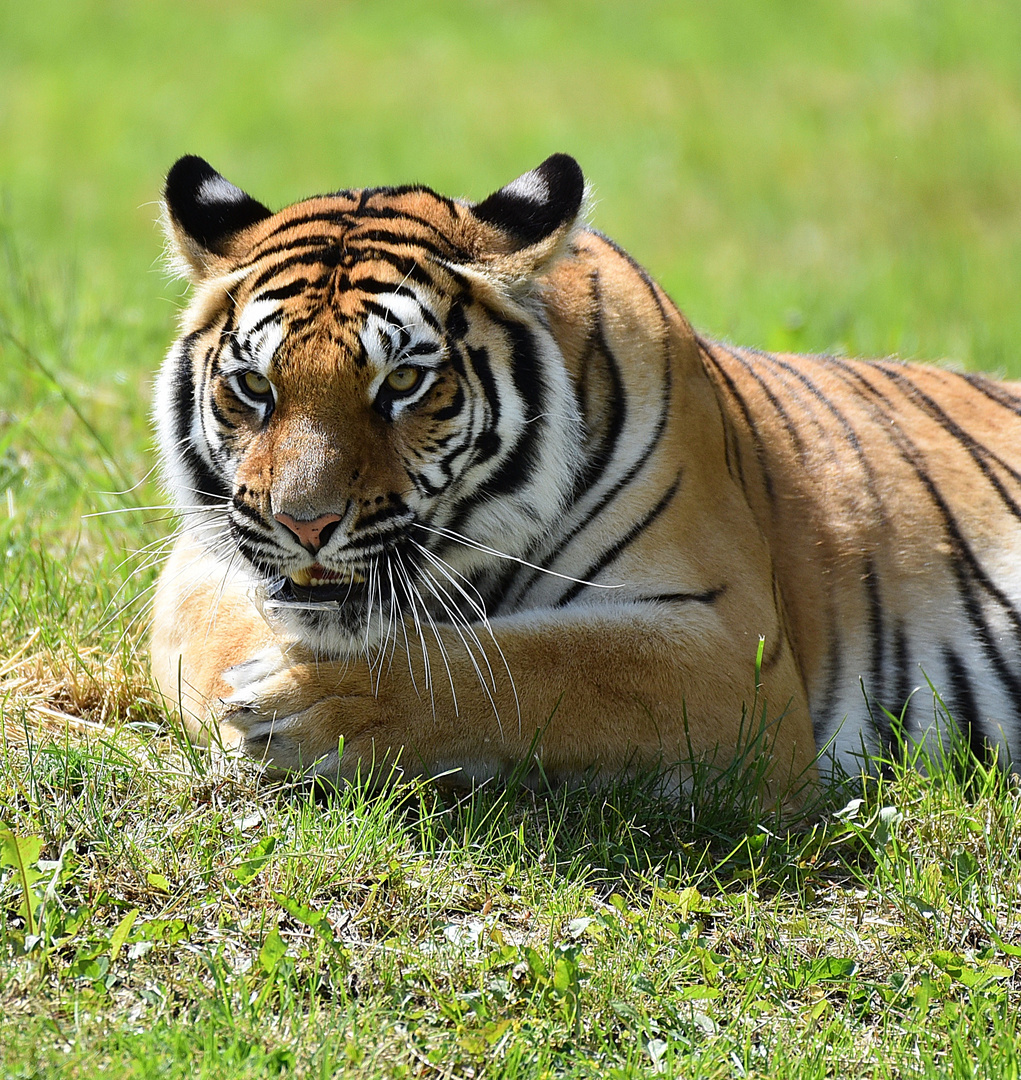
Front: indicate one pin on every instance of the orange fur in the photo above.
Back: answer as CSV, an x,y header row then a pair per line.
x,y
703,497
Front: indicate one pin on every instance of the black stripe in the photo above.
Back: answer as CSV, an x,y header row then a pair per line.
x,y
910,453
456,323
360,239
296,244
392,213
334,217
423,484
876,629
327,250
967,570
241,507
376,539
205,482
285,292
329,257
423,348
519,464
410,270
708,351
793,433
220,416
487,442
995,392
710,596
826,717
599,457
612,553
976,451
850,434
903,701
243,532
657,294
351,217
965,712
621,482
207,485
448,412
376,286
183,394
396,507
963,563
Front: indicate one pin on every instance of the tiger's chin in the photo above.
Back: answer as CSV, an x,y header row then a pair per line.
x,y
332,614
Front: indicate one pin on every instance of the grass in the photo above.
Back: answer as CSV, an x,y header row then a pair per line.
x,y
193,920
810,177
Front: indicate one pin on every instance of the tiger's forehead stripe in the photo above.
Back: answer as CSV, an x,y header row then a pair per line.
x,y
409,228
362,268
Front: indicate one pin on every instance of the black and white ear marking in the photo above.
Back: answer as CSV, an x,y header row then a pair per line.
x,y
537,204
207,208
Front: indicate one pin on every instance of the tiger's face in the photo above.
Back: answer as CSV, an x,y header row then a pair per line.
x,y
366,397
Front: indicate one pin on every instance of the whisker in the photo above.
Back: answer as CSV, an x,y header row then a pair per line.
x,y
447,571
149,595
391,570
134,487
449,534
443,651
181,511
450,607
411,590
435,589
386,637
214,608
368,611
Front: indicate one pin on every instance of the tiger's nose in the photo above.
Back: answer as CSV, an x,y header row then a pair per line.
x,y
312,535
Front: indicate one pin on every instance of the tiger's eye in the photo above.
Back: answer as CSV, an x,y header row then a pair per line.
x,y
256,383
403,379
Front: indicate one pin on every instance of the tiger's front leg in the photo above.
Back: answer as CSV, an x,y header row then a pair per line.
x,y
605,688
605,692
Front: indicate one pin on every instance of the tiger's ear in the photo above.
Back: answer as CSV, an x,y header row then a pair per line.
x,y
525,223
203,212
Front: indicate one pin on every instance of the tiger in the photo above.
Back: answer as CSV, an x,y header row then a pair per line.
x,y
462,492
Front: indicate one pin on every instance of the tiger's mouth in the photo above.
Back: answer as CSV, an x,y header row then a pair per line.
x,y
316,584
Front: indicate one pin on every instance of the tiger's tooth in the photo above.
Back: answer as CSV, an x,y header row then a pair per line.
x,y
309,577
347,576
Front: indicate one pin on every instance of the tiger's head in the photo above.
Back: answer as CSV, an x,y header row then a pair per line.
x,y
366,399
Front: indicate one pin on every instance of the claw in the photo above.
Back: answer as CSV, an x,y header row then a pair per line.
x,y
254,670
239,702
260,733
236,703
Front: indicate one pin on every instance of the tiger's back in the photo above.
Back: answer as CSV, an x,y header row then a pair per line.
x,y
891,497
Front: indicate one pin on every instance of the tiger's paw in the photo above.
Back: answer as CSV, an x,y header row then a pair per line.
x,y
296,714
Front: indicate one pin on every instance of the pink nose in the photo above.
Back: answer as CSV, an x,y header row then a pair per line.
x,y
310,533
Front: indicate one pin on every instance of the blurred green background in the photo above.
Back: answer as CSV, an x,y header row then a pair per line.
x,y
842,175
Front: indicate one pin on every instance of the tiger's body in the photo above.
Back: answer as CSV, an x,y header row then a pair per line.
x,y
461,485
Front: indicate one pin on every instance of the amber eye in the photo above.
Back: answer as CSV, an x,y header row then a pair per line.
x,y
404,379
256,383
